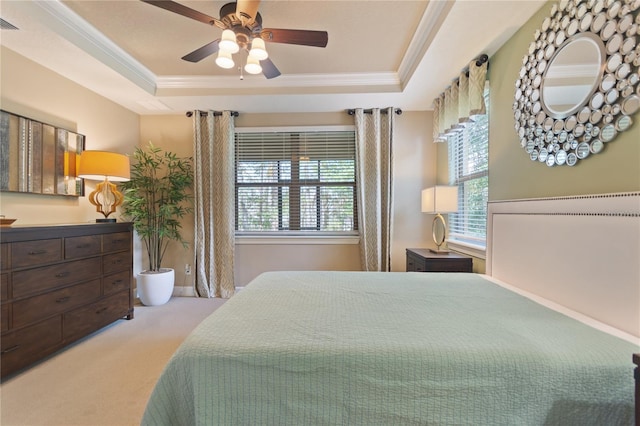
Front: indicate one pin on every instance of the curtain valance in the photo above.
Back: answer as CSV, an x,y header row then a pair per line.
x,y
460,101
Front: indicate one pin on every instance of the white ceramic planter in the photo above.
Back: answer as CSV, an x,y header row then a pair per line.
x,y
155,287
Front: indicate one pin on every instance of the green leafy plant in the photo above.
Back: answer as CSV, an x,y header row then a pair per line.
x,y
157,197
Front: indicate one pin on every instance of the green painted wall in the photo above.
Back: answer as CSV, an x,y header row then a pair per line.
x,y
513,175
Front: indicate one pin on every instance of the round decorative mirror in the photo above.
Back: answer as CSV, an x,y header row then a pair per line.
x,y
579,82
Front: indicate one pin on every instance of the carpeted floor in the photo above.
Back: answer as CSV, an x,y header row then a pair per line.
x,y
106,378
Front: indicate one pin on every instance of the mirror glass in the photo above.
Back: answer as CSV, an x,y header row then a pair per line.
x,y
572,75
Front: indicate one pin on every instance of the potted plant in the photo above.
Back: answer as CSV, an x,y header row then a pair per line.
x,y
156,199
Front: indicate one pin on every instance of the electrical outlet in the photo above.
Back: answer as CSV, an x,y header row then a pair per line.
x,y
187,269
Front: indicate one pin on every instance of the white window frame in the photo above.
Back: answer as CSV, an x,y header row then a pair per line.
x,y
463,246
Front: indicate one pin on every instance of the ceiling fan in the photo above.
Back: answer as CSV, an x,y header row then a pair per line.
x,y
242,29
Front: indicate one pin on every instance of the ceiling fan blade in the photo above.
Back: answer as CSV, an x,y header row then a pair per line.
x,y
302,37
269,69
201,53
247,10
174,7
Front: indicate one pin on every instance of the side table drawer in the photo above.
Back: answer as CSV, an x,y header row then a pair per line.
x,y
441,265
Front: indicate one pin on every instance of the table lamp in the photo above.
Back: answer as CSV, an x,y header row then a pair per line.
x,y
107,167
436,200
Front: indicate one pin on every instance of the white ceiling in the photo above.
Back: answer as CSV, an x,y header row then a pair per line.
x,y
380,53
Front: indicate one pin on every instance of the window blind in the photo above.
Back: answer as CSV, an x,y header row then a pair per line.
x,y
295,181
468,151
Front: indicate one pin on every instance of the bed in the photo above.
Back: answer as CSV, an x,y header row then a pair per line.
x,y
360,348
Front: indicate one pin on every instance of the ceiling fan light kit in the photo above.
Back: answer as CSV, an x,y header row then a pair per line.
x,y
224,59
258,49
253,65
242,29
228,42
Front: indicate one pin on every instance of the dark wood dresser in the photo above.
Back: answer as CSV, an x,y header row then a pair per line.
x,y
423,260
59,284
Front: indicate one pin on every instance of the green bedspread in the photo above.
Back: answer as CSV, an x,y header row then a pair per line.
x,y
360,348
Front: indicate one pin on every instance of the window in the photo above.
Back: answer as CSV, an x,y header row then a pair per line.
x,y
301,181
468,170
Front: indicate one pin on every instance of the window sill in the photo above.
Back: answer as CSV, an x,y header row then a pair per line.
x,y
467,248
297,239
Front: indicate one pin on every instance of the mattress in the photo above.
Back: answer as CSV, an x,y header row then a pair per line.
x,y
369,348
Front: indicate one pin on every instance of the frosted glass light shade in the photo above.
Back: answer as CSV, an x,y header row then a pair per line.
x,y
253,66
258,49
228,42
224,60
440,199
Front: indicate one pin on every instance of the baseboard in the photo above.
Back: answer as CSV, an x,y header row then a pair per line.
x,y
183,291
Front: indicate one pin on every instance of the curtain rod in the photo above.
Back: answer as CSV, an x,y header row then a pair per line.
x,y
479,61
352,111
215,113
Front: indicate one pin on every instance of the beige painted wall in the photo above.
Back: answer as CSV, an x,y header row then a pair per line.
x,y
513,175
414,169
28,89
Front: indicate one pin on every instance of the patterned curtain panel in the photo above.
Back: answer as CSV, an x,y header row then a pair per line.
x,y
374,156
460,101
213,148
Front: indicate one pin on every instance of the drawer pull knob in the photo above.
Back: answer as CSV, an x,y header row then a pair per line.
x,y
116,262
117,241
81,246
63,299
101,310
62,274
37,252
116,282
11,349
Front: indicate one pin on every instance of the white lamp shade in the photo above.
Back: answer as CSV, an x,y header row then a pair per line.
x,y
98,165
224,59
228,42
258,49
253,66
440,199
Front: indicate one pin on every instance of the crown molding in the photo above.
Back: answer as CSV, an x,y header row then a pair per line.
x,y
434,15
72,27
289,81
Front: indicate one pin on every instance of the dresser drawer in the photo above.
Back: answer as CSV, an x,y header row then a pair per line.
x,y
4,257
33,253
4,316
116,242
116,282
54,276
25,346
82,321
4,286
116,262
35,308
88,245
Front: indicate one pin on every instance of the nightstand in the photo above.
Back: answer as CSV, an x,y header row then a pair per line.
x,y
423,260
